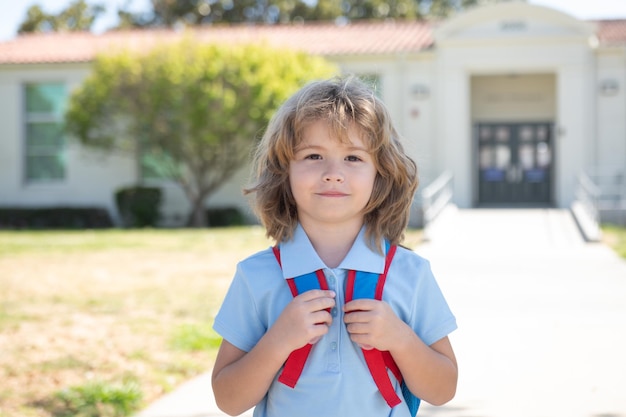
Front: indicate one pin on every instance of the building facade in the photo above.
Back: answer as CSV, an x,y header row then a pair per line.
x,y
514,100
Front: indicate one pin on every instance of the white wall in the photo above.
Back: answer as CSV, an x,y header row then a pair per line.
x,y
610,129
513,97
91,178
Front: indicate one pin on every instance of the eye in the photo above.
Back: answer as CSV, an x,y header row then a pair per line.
x,y
353,158
313,156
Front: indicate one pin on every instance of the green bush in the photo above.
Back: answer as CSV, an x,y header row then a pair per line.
x,y
138,206
99,399
54,218
222,217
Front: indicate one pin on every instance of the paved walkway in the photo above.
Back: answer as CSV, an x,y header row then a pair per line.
x,y
541,314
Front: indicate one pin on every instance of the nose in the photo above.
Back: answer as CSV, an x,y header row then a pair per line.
x,y
333,173
333,178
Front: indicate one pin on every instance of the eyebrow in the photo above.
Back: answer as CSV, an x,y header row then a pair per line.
x,y
349,148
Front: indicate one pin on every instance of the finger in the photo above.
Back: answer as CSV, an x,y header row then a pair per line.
x,y
320,304
322,317
357,328
315,294
361,341
321,328
358,316
315,340
362,304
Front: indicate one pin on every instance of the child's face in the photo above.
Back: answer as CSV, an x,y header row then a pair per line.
x,y
331,181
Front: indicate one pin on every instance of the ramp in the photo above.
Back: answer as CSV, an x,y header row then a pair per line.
x,y
540,311
501,230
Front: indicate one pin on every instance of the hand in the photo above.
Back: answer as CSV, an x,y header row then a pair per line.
x,y
305,319
373,324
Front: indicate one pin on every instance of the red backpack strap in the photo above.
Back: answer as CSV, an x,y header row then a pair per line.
x,y
294,365
371,286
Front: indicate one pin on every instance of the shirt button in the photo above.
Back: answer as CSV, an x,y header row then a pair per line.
x,y
331,281
333,312
333,346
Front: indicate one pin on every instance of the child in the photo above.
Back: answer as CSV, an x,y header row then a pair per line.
x,y
332,186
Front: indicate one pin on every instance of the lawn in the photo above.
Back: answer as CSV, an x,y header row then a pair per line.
x,y
104,322
101,323
615,237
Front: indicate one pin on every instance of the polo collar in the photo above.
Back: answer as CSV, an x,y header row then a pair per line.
x,y
298,257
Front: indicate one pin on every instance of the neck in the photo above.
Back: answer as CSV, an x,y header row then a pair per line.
x,y
332,243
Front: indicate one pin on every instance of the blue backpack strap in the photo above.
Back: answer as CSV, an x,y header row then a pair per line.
x,y
411,400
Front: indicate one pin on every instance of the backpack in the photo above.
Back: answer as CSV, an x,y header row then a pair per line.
x,y
359,284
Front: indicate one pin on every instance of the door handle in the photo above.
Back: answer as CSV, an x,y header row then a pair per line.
x,y
514,174
511,175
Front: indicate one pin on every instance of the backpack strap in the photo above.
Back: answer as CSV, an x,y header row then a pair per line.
x,y
295,362
367,285
363,285
359,284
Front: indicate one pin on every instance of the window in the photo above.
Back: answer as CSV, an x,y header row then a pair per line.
x,y
157,165
45,139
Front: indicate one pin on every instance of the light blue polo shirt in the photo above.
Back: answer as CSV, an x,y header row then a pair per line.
x,y
335,380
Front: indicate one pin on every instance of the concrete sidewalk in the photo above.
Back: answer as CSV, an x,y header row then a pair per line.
x,y
541,314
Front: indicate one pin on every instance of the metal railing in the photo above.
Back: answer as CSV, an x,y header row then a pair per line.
x,y
610,186
436,196
588,194
611,183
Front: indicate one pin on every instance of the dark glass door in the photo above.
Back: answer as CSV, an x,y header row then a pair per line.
x,y
514,163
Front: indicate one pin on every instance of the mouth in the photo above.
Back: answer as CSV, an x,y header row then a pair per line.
x,y
332,194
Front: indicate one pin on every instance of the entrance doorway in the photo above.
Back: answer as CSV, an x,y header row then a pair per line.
x,y
514,163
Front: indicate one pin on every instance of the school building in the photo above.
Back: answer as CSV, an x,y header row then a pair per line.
x,y
509,104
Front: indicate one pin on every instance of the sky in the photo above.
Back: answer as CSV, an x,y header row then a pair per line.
x,y
13,12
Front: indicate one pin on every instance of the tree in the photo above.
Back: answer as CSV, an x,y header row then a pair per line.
x,y
437,9
196,12
195,108
78,16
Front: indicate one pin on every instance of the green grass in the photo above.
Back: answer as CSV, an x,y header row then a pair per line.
x,y
615,237
85,241
195,337
98,399
64,363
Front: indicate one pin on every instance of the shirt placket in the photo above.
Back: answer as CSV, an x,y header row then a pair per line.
x,y
335,279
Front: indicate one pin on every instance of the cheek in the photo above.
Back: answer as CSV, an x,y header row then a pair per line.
x,y
294,178
295,183
300,175
372,179
375,184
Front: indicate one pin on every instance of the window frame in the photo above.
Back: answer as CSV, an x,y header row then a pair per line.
x,y
32,118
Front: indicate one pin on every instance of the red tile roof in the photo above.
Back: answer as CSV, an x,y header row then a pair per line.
x,y
323,39
612,32
317,38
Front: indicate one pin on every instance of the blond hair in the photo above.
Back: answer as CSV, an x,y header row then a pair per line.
x,y
342,102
